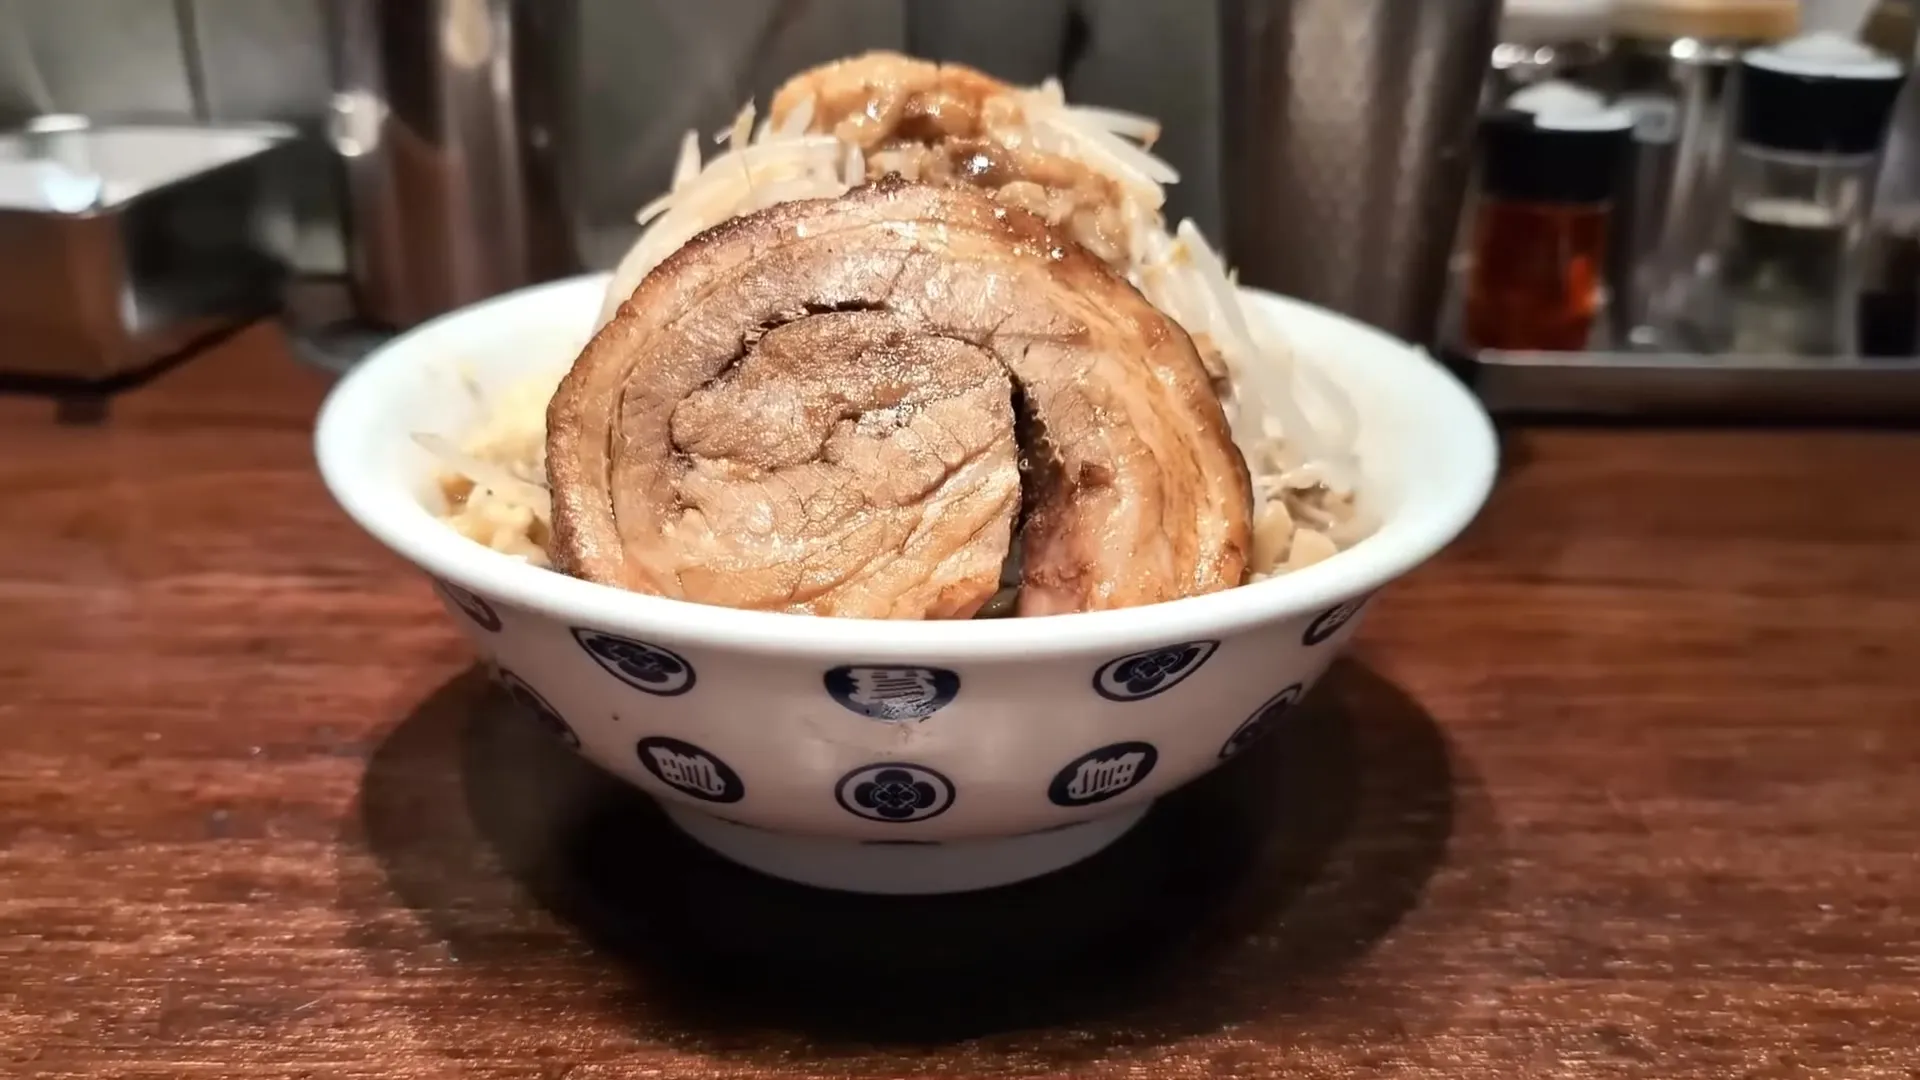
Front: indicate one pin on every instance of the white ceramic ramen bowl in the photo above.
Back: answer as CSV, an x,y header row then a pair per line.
x,y
903,757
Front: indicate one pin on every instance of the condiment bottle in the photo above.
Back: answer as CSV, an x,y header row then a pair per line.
x,y
1813,117
1707,20
1890,300
1549,39
1549,166
1671,69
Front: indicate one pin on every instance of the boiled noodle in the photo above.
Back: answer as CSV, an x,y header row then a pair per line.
x,y
1295,427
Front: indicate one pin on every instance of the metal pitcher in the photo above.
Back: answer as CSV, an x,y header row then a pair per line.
x,y
448,118
1348,131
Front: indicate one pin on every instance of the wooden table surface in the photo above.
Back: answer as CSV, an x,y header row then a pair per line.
x,y
1625,784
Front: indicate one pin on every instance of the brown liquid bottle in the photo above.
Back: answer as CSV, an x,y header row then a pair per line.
x,y
1540,230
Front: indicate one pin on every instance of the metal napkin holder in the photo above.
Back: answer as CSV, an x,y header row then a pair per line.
x,y
175,249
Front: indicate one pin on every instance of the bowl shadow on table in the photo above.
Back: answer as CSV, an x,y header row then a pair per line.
x,y
1237,899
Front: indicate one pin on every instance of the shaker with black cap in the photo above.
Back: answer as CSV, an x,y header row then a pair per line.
x,y
1549,168
1812,120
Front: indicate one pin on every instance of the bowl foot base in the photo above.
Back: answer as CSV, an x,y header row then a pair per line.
x,y
904,869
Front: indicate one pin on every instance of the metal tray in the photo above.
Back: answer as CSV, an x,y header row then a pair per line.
x,y
1687,386
171,246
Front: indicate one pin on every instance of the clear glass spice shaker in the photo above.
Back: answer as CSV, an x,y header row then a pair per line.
x,y
1672,67
1813,117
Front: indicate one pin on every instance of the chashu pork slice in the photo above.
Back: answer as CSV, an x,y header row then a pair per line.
x,y
819,408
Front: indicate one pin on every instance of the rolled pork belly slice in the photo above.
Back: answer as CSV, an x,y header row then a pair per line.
x,y
825,408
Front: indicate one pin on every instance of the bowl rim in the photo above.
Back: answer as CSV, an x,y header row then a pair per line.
x,y
1395,548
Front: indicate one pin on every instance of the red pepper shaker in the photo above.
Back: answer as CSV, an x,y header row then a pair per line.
x,y
1538,256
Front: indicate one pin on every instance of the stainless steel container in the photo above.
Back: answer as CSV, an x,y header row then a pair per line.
x,y
122,245
448,118
1348,130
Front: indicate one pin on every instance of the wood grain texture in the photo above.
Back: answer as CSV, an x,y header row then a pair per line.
x,y
1623,785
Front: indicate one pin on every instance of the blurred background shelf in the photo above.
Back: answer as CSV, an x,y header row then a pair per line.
x,y
374,235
